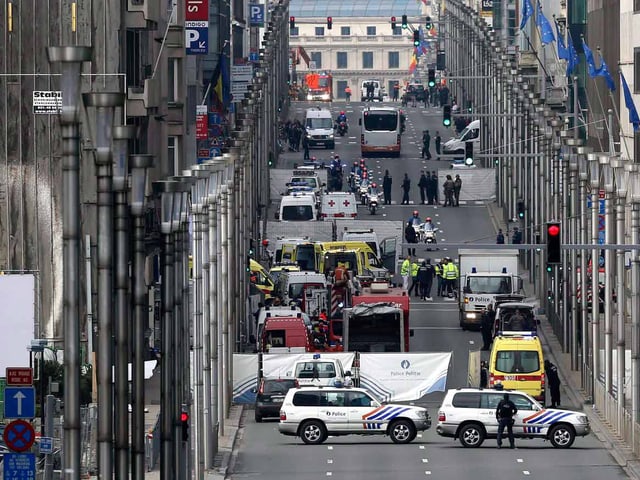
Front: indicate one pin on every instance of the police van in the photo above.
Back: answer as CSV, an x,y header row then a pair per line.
x,y
318,126
298,207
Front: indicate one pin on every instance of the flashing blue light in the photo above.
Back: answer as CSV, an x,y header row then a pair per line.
x,y
504,269
474,270
316,356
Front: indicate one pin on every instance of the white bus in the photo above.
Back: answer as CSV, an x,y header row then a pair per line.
x,y
380,130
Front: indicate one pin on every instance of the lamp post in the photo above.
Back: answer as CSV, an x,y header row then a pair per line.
x,y
71,59
607,183
621,180
140,165
594,180
105,104
634,193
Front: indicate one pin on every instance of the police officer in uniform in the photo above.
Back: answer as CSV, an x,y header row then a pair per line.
x,y
505,412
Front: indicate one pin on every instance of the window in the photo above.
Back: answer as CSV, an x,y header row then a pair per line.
x,y
466,400
317,58
173,154
397,31
294,32
335,399
341,85
636,6
517,361
341,60
371,31
522,403
359,399
367,59
173,67
394,59
307,399
319,31
636,69
345,31
636,147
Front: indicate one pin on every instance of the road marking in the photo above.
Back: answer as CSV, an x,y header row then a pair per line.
x,y
519,460
526,472
425,460
329,447
471,342
421,447
419,435
428,472
329,474
329,460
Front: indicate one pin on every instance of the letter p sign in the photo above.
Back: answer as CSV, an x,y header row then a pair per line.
x,y
256,15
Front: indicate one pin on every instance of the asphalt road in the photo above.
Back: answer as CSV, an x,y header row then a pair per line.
x,y
264,453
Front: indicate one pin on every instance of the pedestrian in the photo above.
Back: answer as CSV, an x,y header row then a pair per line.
x,y
457,186
426,272
500,237
434,186
415,284
504,414
486,326
553,380
411,237
347,93
405,271
406,186
426,143
305,146
484,374
386,187
423,183
396,91
438,142
439,275
516,238
450,273
447,188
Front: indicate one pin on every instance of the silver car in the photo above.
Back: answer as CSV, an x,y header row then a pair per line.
x,y
469,414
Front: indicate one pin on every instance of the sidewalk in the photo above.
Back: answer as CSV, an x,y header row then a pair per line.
x,y
571,382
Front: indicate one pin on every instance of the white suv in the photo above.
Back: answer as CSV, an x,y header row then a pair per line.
x,y
469,414
314,413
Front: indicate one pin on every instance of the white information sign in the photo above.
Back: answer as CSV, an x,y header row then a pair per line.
x,y
47,102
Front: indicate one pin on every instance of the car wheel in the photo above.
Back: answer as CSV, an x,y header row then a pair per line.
x,y
313,432
471,435
402,431
258,417
562,436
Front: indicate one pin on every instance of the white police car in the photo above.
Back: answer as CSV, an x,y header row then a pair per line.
x,y
314,413
469,414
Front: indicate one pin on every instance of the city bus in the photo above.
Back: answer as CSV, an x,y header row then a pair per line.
x,y
381,129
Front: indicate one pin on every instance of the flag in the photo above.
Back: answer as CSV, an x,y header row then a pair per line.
x,y
527,11
603,71
220,83
591,63
563,51
414,63
634,119
574,60
546,32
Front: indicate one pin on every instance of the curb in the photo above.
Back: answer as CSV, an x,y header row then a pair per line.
x,y
226,456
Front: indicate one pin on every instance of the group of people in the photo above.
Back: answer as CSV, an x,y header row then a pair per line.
x,y
426,144
292,131
370,89
422,274
428,185
516,237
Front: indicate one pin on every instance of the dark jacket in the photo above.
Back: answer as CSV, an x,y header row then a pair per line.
x,y
506,409
406,184
410,234
426,273
423,182
386,182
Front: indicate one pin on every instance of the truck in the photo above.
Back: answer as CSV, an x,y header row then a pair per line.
x,y
486,276
319,86
378,320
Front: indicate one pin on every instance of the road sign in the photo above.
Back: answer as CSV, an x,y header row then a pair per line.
x,y
196,39
19,376
19,466
46,445
256,15
19,402
19,436
196,10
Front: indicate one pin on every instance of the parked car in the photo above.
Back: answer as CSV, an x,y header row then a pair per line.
x,y
270,395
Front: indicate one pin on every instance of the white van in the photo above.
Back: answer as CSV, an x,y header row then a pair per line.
x,y
363,235
291,285
378,93
470,133
318,126
306,178
298,207
318,371
339,205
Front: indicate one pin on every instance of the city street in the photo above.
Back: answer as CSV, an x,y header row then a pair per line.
x,y
263,452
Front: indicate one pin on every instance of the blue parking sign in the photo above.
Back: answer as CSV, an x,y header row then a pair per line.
x,y
19,466
256,15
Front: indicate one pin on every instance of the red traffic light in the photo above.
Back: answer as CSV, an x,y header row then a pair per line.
x,y
393,19
184,417
553,230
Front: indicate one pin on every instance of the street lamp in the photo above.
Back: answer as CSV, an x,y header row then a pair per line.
x,y
606,172
594,180
634,197
71,60
140,165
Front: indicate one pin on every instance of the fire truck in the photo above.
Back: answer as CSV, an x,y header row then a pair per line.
x,y
319,86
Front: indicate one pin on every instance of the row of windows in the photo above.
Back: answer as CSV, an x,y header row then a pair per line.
x,y
393,59
372,31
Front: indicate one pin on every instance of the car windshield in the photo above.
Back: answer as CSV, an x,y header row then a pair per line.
x,y
296,213
488,285
306,181
311,370
517,361
278,386
316,123
381,121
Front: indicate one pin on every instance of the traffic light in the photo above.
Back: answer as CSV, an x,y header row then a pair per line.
x,y
432,78
553,243
468,153
446,115
292,22
441,60
520,209
248,267
429,25
329,23
184,419
405,23
416,38
393,23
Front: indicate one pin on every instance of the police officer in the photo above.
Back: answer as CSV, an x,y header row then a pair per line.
x,y
439,275
414,277
450,276
405,271
386,187
426,272
553,379
504,414
486,326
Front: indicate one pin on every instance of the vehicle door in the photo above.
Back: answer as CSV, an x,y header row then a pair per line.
x,y
363,410
488,404
531,418
388,252
333,410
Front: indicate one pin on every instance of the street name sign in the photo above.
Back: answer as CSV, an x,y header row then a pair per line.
x,y
18,376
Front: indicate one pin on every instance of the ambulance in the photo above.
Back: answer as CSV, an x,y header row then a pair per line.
x,y
338,205
517,362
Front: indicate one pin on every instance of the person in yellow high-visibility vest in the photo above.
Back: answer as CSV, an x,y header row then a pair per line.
x,y
405,271
439,267
414,278
450,276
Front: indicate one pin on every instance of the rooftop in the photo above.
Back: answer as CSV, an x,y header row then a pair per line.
x,y
354,8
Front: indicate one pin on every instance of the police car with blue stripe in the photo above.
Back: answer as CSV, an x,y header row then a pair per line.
x,y
314,413
469,414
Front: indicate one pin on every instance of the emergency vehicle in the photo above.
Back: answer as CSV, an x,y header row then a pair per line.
x,y
298,207
285,335
338,205
261,279
517,362
319,86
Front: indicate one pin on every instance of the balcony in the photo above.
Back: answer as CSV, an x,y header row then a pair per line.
x,y
143,101
142,14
